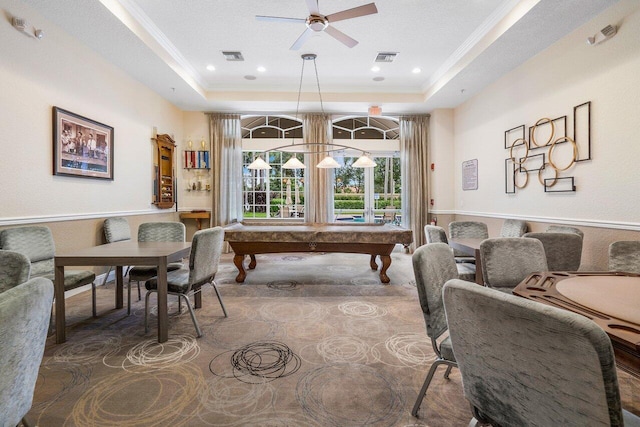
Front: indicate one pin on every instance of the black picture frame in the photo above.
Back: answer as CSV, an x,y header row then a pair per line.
x,y
82,147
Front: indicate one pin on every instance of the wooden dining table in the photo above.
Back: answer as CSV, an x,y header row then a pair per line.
x,y
120,254
470,247
610,299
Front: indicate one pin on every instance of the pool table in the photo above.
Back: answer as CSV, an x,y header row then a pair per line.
x,y
261,238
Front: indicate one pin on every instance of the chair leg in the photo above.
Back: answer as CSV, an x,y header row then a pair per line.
x,y
215,288
93,299
128,298
448,371
25,422
146,312
425,386
139,294
106,276
193,315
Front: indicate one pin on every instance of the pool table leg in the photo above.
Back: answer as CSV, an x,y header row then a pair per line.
x,y
238,260
372,262
386,262
252,263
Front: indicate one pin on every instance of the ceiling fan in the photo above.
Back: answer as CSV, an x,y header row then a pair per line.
x,y
316,22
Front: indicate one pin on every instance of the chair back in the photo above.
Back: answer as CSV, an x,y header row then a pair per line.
x,y
162,232
625,256
506,261
524,363
513,228
36,243
25,311
564,229
563,250
206,248
433,265
116,229
435,234
467,230
14,269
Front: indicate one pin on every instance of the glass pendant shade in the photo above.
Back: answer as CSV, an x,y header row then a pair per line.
x,y
364,162
328,163
293,163
259,164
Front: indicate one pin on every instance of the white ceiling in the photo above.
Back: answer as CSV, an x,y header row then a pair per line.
x,y
460,45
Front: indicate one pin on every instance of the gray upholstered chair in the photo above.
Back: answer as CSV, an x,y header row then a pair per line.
x,y
625,256
115,229
14,269
435,234
24,320
467,230
564,229
528,364
506,261
513,228
563,250
206,248
36,243
155,232
433,265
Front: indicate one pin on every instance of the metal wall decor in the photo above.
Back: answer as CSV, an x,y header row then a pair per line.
x,y
526,155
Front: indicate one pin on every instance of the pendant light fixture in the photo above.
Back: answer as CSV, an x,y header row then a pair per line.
x,y
364,161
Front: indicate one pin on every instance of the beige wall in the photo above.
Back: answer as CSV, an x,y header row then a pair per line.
x,y
566,74
36,75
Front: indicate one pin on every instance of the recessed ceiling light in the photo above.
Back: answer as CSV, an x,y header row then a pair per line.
x,y
375,69
378,79
261,69
211,67
250,77
416,70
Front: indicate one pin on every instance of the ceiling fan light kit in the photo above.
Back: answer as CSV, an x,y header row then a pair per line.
x,y
316,22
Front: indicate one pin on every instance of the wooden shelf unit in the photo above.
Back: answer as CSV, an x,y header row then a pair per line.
x,y
165,178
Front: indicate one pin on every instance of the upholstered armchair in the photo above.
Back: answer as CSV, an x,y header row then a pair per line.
x,y
435,234
513,228
564,229
14,269
467,230
625,256
155,232
433,265
24,320
528,364
562,250
115,229
206,248
506,261
36,243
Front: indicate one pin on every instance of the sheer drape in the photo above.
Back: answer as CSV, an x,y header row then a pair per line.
x,y
226,161
414,144
318,192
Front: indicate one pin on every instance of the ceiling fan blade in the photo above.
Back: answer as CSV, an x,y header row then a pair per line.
x,y
367,9
340,36
279,19
303,38
313,7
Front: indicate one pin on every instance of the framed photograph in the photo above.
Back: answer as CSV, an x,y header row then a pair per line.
x,y
81,147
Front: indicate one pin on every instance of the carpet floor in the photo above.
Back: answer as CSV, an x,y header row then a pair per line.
x,y
311,340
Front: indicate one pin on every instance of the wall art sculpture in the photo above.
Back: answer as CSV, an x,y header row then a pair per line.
x,y
547,151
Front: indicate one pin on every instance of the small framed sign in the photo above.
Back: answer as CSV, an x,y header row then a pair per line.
x,y
470,175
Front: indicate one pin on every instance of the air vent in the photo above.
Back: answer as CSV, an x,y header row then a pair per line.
x,y
233,56
386,56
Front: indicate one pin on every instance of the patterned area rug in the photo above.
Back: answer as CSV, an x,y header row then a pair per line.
x,y
311,340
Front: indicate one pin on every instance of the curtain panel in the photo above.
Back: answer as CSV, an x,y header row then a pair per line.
x,y
226,160
414,162
318,190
